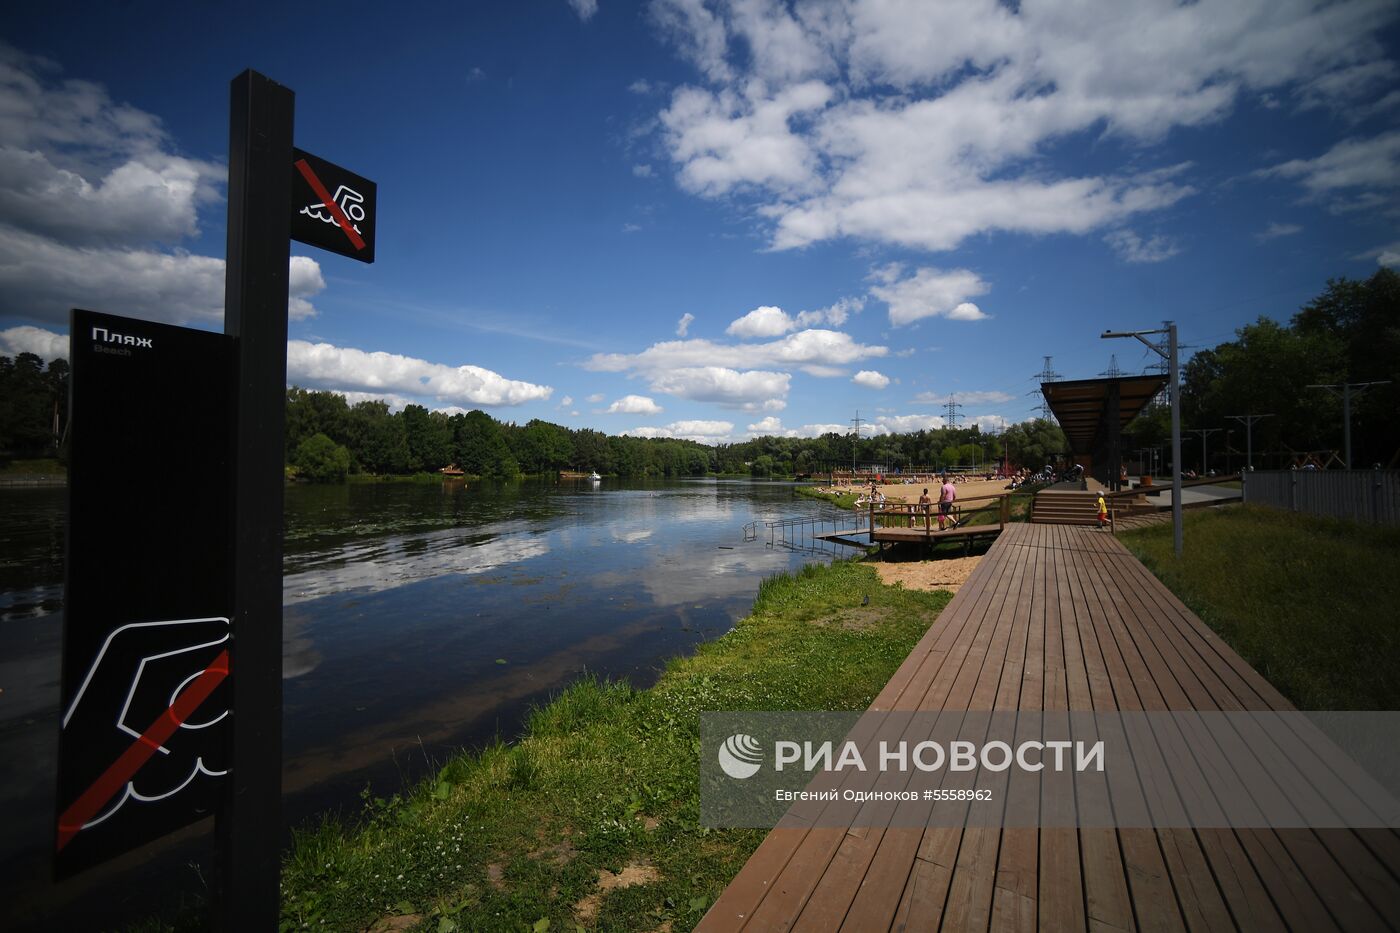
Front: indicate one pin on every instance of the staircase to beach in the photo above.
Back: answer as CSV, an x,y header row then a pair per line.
x,y
1065,507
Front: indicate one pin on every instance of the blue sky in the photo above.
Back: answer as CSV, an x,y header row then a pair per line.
x,y
723,218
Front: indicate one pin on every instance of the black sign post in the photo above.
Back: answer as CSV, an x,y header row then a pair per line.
x,y
173,638
255,316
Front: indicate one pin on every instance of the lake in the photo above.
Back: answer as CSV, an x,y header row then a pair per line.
x,y
419,619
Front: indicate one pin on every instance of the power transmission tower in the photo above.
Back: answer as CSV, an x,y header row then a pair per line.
x,y
1171,355
1164,397
950,412
1344,390
856,422
1113,372
1047,374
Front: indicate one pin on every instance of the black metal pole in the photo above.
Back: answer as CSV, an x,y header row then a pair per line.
x,y
255,314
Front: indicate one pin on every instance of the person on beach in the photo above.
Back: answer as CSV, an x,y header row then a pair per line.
x,y
925,506
1103,510
946,497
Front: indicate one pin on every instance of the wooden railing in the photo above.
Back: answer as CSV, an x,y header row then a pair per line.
x,y
909,511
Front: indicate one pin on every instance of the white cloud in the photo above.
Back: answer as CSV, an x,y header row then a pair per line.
x,y
871,379
395,401
345,369
89,191
36,340
642,171
835,315
771,426
706,432
766,321
43,278
1352,163
641,87
725,140
634,405
903,424
1275,230
1132,248
752,390
698,32
1388,255
596,397
816,351
356,374
1347,86
964,398
584,8
566,402
930,293
153,198
817,430
989,424
683,325
922,124
84,169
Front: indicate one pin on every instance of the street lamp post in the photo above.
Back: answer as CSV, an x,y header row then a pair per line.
x,y
1173,382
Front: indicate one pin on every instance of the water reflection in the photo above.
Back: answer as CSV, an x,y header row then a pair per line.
x,y
418,619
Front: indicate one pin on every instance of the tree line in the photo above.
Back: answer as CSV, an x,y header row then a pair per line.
x,y
327,438
33,406
1350,333
416,440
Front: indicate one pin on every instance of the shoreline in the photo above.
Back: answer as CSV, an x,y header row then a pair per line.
x,y
591,816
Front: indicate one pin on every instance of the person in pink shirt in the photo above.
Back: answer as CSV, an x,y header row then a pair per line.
x,y
946,497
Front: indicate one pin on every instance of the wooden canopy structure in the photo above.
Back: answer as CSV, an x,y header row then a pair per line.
x,y
1093,413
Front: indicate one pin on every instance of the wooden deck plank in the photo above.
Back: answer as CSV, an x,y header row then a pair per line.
x,y
972,894
1234,875
1335,860
929,687
1144,859
741,898
924,893
1061,892
1060,617
888,862
1014,897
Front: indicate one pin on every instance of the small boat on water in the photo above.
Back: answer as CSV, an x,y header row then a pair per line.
x,y
594,477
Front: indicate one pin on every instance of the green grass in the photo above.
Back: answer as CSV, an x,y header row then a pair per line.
x,y
604,777
361,479
1309,602
27,467
842,500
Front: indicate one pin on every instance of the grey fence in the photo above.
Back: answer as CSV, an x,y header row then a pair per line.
x,y
1361,495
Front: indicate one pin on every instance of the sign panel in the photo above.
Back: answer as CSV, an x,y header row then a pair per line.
x,y
142,749
332,208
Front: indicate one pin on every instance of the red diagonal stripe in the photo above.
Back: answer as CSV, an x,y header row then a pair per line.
x,y
325,197
124,768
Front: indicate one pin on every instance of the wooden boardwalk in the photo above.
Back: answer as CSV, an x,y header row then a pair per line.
x,y
1059,617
